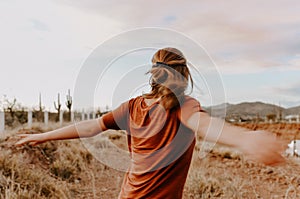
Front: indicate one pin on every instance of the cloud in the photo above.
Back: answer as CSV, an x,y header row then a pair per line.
x,y
52,38
39,25
237,32
43,47
294,63
288,95
292,90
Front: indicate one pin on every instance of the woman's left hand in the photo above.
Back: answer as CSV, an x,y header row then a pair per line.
x,y
31,139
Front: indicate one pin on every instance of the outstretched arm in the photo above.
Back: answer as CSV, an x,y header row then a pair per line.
x,y
260,146
87,128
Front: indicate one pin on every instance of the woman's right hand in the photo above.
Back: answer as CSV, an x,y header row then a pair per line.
x,y
31,139
260,146
263,147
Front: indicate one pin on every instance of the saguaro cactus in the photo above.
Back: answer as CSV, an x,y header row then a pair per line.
x,y
40,103
69,104
57,107
41,109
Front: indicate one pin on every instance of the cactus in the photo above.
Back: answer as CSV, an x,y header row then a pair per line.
x,y
98,113
41,109
69,104
57,107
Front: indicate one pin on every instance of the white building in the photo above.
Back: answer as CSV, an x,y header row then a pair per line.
x,y
292,118
293,148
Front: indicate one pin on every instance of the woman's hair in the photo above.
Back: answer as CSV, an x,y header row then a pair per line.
x,y
169,77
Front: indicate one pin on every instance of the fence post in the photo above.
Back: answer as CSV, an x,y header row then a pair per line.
x,y
94,115
72,116
46,118
61,118
2,122
82,116
29,118
88,115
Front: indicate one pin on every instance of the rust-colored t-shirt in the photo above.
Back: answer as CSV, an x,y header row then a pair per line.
x,y
161,147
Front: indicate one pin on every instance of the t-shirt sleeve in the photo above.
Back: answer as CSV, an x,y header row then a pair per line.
x,y
118,118
188,108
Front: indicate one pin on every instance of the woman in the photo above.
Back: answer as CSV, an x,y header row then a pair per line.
x,y
161,127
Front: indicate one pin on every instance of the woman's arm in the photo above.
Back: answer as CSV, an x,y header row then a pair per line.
x,y
87,128
261,146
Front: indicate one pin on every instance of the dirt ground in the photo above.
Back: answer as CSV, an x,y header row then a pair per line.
x,y
220,173
223,173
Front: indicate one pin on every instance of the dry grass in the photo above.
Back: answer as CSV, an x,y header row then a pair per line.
x,y
22,179
221,174
44,171
66,169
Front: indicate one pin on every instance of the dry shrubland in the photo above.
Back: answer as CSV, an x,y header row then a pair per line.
x,y
66,169
223,173
54,169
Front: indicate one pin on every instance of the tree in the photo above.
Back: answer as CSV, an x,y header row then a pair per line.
x,y
10,106
271,117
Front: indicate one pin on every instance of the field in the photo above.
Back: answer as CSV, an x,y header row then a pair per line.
x,y
66,169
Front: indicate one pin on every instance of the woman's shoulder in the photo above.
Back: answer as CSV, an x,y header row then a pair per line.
x,y
188,98
190,103
135,100
189,106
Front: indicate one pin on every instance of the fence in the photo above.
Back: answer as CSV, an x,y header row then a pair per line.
x,y
82,116
2,122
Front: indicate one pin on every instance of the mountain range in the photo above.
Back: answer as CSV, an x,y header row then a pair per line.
x,y
251,109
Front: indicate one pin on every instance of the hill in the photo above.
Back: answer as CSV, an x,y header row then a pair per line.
x,y
250,110
293,111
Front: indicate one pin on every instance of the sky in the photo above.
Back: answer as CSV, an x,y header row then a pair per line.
x,y
254,46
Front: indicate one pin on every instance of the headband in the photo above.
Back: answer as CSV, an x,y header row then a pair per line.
x,y
161,64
